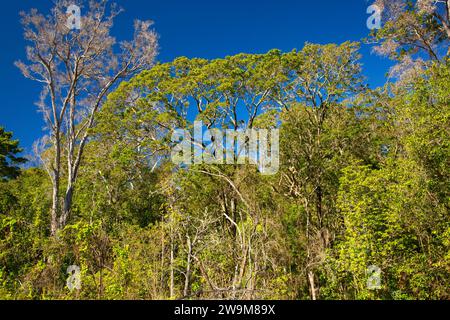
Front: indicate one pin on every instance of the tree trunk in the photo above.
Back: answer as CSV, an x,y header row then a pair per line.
x,y
187,282
55,178
172,256
67,206
312,285
172,270
55,201
163,255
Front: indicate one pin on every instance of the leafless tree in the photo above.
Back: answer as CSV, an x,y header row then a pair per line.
x,y
418,26
77,68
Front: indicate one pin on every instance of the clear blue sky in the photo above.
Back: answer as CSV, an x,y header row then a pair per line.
x,y
195,28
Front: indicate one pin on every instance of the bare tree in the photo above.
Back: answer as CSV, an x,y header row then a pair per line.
x,y
77,69
413,27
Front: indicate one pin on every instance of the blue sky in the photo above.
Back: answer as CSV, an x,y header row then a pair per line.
x,y
196,28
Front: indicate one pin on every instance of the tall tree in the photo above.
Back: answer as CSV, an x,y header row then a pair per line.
x,y
77,69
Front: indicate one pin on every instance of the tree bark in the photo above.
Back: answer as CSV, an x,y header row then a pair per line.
x,y
172,270
55,178
312,285
187,282
67,206
55,201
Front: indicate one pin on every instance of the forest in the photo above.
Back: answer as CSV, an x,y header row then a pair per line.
x,y
358,209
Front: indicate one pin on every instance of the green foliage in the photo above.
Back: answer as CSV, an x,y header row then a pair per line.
x,y
363,182
24,221
8,155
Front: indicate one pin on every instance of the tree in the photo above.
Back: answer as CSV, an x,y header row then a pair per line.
x,y
77,69
239,92
395,214
411,27
413,32
8,156
318,134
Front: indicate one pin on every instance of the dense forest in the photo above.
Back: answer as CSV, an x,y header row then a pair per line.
x,y
363,183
